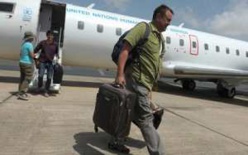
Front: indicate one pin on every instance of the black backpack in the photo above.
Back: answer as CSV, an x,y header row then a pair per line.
x,y
133,56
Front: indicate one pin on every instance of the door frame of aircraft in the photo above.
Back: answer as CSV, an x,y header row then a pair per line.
x,y
52,17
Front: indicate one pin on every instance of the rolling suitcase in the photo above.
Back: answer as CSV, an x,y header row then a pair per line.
x,y
114,110
57,74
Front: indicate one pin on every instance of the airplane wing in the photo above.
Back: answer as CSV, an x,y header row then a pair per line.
x,y
191,70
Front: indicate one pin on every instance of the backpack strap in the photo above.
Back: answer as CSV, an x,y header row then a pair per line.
x,y
135,56
163,47
143,40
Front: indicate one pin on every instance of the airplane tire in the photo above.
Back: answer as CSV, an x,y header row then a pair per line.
x,y
224,92
188,85
221,90
231,93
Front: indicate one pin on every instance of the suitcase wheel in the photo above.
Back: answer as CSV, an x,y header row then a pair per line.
x,y
118,147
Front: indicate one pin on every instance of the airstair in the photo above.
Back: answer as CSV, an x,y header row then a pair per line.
x,y
55,87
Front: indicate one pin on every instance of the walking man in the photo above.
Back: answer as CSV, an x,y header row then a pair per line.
x,y
140,77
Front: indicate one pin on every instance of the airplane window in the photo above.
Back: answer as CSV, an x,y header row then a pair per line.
x,y
99,28
194,44
80,25
168,40
217,48
118,31
227,50
246,53
206,46
6,7
237,52
181,42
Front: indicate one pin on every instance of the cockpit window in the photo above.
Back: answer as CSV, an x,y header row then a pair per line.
x,y
6,7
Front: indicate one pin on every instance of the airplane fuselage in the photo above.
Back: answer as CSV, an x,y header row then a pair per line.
x,y
86,38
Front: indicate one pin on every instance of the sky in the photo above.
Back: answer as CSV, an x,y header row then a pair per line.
x,y
223,17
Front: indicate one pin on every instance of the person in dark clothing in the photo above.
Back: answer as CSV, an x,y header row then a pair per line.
x,y
49,49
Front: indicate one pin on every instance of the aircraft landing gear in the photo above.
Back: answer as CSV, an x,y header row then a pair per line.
x,y
188,84
225,92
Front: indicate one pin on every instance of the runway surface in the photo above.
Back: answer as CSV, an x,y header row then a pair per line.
x,y
195,123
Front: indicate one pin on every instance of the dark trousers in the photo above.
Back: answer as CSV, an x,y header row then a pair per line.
x,y
45,66
26,75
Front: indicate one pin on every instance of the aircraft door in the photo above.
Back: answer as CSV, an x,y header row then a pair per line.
x,y
52,17
194,45
44,21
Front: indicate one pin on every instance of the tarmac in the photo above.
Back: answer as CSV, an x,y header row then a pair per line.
x,y
194,123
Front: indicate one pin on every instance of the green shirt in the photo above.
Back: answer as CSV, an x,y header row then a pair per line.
x,y
147,71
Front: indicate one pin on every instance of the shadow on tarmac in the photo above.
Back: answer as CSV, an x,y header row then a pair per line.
x,y
8,79
200,92
64,83
90,143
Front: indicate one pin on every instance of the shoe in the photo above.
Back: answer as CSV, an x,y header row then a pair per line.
x,y
118,147
46,94
22,97
158,114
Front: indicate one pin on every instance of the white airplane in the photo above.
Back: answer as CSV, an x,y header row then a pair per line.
x,y
86,38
